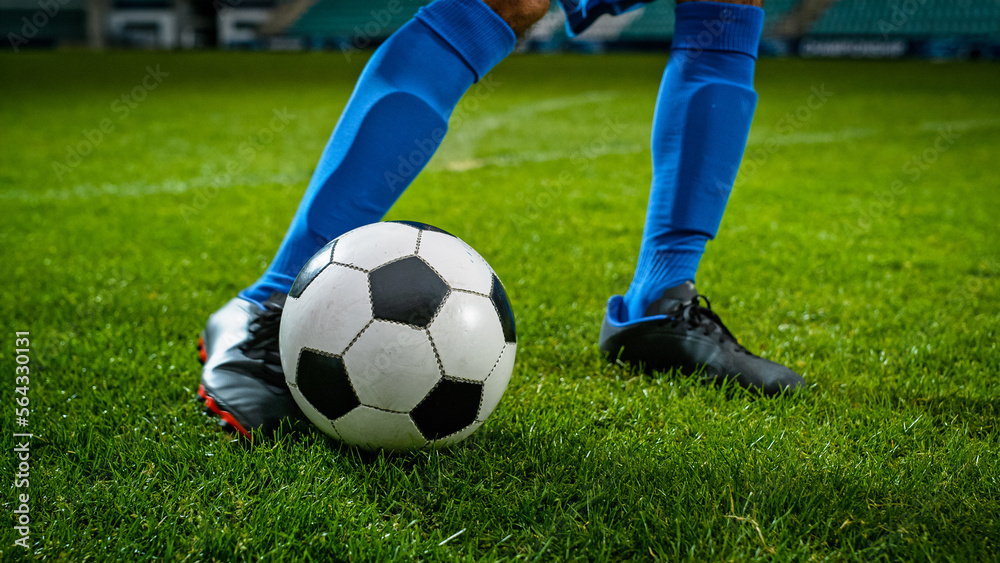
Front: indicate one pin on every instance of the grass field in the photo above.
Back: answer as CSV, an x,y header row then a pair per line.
x,y
860,247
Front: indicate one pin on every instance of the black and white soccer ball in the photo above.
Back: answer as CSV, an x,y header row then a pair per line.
x,y
397,336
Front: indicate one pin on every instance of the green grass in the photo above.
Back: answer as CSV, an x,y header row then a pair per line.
x,y
876,278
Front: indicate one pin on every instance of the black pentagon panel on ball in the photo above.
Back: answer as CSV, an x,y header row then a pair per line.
x,y
313,267
323,381
502,305
448,408
423,227
406,291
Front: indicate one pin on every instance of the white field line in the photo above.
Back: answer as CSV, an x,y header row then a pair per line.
x,y
142,189
462,141
809,137
816,138
455,163
960,125
513,159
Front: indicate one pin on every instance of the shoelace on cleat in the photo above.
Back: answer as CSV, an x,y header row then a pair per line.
x,y
697,317
263,341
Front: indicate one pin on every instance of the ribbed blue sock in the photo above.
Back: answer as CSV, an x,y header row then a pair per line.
x,y
391,127
700,129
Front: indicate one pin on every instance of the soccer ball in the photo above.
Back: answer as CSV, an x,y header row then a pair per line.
x,y
397,336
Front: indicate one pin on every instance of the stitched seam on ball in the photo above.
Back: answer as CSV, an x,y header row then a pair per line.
x,y
393,261
436,355
496,309
487,378
461,379
320,272
400,323
329,355
471,292
387,410
358,268
356,338
439,309
371,297
482,394
446,295
420,235
318,351
371,302
438,274
436,385
496,363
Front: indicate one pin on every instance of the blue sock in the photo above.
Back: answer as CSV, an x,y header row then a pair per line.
x,y
700,129
391,127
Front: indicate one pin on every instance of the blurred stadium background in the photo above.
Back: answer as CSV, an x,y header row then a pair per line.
x,y
951,29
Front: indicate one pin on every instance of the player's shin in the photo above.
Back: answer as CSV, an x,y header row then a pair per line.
x,y
700,129
392,125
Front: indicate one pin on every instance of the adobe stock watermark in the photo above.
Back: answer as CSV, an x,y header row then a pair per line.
x,y
471,103
384,351
412,162
974,283
47,9
902,13
913,169
541,200
713,29
375,28
213,181
121,108
22,448
791,122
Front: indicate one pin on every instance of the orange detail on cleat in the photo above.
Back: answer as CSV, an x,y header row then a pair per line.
x,y
211,404
202,355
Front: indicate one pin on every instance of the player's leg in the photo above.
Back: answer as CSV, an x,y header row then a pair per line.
x,y
391,126
700,129
394,121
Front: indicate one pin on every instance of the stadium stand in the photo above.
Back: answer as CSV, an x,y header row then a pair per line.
x,y
844,28
657,19
144,23
923,28
345,23
242,23
342,22
25,24
849,28
650,26
911,19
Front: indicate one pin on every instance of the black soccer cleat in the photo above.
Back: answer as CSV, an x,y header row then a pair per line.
x,y
677,332
242,381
